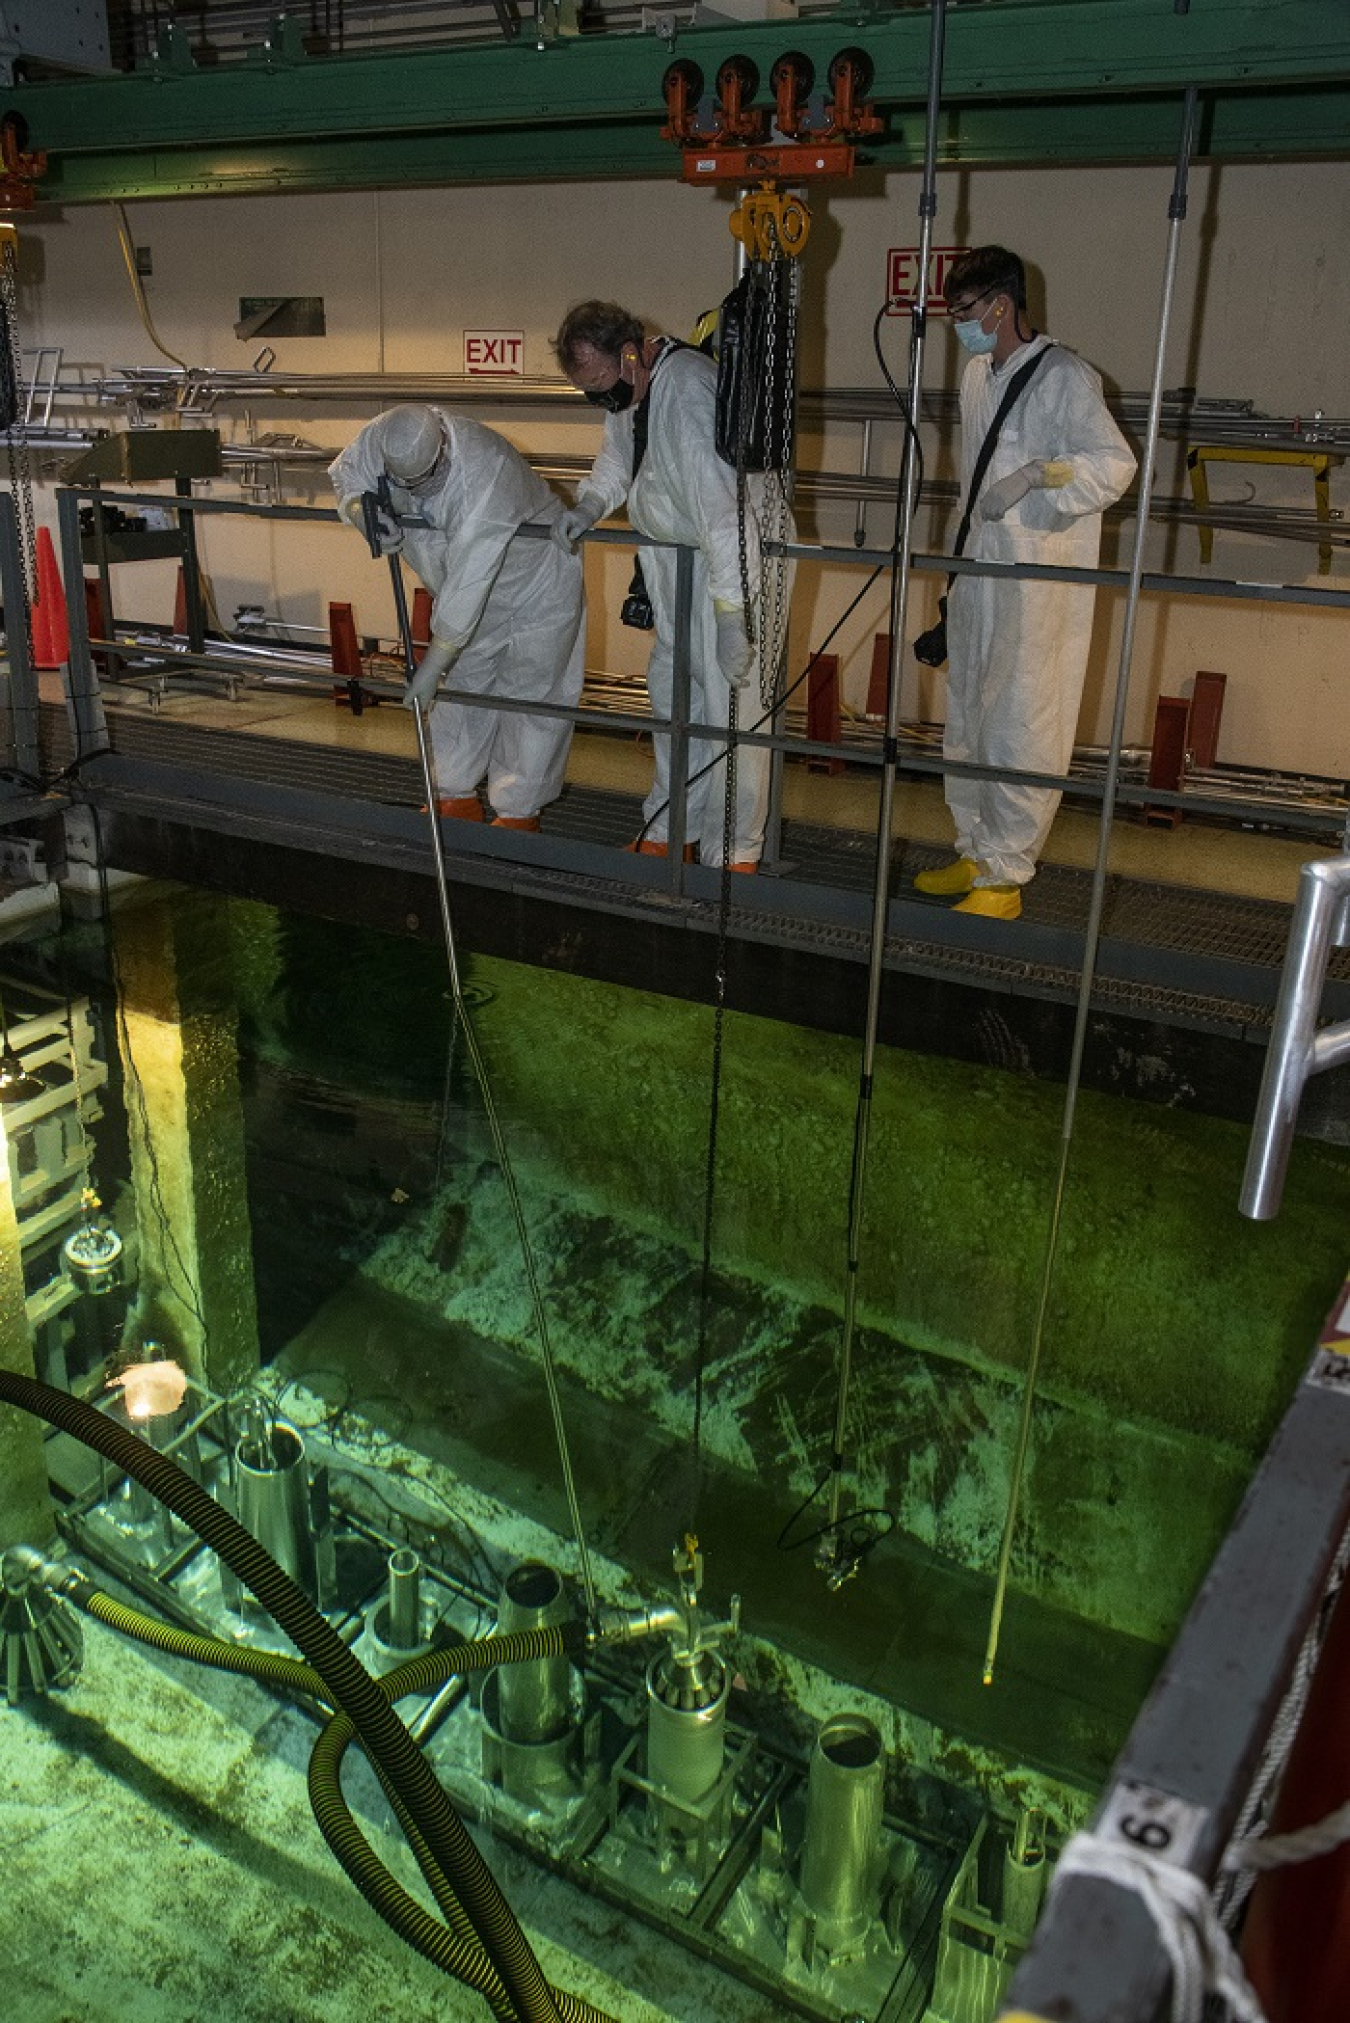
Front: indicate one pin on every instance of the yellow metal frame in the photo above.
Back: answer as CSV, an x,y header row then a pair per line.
x,y
1319,462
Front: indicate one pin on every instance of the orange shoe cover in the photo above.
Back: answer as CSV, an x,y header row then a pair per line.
x,y
646,848
464,808
530,822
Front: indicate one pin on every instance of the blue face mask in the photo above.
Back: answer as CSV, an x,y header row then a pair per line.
x,y
974,337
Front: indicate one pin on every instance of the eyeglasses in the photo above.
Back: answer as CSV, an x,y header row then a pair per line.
x,y
963,309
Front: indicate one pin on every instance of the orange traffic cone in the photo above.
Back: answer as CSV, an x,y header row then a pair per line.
x,y
51,627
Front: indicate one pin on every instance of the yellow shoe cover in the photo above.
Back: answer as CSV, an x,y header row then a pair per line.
x,y
949,881
995,902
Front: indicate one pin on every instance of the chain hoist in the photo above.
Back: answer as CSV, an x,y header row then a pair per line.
x,y
773,226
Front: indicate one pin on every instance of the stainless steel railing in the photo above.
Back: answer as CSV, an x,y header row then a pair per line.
x,y
1297,1050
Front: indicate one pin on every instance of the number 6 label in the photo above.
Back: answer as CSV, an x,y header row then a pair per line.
x,y
1153,1821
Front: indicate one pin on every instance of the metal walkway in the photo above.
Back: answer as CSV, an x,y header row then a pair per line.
x,y
1188,958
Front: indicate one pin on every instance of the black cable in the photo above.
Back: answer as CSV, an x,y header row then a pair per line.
x,y
505,1950
912,445
790,690
863,1530
862,1537
715,1093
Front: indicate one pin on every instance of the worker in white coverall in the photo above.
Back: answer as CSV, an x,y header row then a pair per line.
x,y
684,493
1018,650
509,615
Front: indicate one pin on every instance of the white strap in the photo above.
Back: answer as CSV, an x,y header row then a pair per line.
x,y
1202,1960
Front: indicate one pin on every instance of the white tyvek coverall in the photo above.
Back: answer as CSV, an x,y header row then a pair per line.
x,y
1018,651
515,605
685,493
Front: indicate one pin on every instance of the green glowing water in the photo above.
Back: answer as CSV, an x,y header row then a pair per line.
x,y
1176,1329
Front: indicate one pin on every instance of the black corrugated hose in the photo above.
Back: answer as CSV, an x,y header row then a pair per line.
x,y
349,1845
502,1948
346,1842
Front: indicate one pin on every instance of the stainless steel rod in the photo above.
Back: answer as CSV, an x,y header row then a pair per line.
x,y
831,1550
1092,937
462,1013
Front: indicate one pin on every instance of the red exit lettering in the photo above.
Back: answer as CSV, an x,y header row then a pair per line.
x,y
902,278
494,351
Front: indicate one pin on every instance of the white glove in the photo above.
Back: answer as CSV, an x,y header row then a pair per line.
x,y
1000,498
574,521
437,662
389,533
735,654
996,500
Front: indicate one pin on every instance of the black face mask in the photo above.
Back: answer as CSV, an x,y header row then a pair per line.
x,y
614,399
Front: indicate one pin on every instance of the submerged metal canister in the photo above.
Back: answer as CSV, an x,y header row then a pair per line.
x,y
272,1491
1024,1873
404,1599
534,1699
840,1851
686,1724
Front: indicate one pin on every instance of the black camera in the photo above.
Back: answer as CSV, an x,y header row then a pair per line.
x,y
636,609
930,648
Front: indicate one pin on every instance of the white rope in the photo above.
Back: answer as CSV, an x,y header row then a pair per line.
x,y
1239,1868
1279,1850
1197,1947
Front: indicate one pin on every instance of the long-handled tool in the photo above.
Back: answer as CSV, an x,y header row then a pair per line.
x,y
377,515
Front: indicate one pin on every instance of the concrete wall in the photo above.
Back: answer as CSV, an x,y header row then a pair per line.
x,y
1260,304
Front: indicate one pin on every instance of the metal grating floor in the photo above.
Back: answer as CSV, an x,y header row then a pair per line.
x,y
1165,928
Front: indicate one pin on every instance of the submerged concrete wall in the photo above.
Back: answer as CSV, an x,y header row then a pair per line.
x,y
1176,1330
1167,1306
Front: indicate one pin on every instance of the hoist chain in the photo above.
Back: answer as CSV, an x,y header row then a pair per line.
x,y
765,600
747,593
777,522
16,447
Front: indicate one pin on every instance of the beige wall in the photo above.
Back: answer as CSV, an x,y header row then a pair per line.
x,y
1262,300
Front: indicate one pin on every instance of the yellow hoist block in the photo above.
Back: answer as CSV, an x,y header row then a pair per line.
x,y
771,223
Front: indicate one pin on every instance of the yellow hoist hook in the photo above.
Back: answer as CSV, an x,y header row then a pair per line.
x,y
771,224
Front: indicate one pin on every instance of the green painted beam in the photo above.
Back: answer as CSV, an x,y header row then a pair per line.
x,y
1233,126
1005,49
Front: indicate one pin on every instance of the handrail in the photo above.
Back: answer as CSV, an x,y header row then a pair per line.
x,y
1321,922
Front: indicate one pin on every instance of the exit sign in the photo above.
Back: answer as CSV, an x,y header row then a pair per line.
x,y
491,353
902,278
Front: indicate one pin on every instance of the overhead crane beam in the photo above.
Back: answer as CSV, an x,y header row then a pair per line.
x,y
1026,80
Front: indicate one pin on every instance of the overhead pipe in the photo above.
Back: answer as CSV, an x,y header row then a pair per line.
x,y
1230,421
1297,1050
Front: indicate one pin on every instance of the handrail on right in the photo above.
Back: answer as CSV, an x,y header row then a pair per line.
x,y
1297,1050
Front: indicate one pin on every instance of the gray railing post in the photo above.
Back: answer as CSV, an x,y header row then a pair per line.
x,y
1297,1050
84,703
